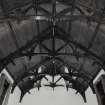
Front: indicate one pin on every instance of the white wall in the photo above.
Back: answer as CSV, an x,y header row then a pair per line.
x,y
47,97
59,97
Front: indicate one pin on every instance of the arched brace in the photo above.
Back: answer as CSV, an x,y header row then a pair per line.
x,y
72,74
84,96
23,92
21,97
30,84
13,88
74,85
81,93
38,77
92,88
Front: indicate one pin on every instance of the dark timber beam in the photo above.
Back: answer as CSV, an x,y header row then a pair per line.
x,y
61,35
18,53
